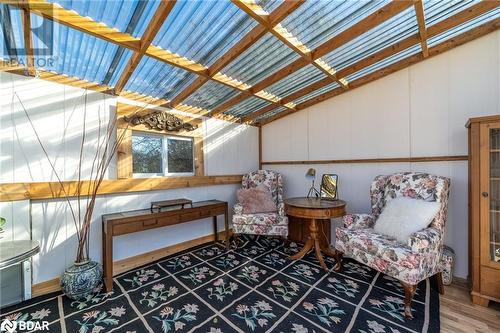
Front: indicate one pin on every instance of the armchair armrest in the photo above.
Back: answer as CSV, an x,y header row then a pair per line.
x,y
358,221
425,240
281,209
238,209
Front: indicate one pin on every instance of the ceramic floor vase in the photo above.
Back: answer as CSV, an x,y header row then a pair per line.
x,y
80,279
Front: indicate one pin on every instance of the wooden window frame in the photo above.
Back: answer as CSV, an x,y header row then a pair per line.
x,y
124,158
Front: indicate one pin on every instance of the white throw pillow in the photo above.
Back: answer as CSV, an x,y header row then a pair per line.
x,y
403,216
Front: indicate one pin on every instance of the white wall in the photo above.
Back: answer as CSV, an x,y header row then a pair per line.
x,y
418,111
57,113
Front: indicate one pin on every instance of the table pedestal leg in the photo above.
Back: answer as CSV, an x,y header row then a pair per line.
x,y
312,243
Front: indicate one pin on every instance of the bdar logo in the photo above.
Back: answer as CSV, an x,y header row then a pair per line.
x,y
8,326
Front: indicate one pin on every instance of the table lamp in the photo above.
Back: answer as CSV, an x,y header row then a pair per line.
x,y
311,174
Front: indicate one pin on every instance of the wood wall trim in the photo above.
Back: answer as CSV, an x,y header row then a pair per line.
x,y
124,161
123,265
376,160
52,190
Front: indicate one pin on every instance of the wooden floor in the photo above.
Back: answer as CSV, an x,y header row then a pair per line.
x,y
458,314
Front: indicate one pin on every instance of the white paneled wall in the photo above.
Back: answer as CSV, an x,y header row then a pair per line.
x,y
57,112
418,111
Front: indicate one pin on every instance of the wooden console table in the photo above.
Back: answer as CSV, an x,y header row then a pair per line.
x,y
314,209
139,220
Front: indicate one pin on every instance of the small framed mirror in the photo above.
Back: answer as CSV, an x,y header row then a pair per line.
x,y
328,190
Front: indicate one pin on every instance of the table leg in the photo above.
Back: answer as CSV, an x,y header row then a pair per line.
x,y
103,244
108,260
319,255
311,243
215,229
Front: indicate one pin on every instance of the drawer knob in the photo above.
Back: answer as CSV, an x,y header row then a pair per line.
x,y
485,194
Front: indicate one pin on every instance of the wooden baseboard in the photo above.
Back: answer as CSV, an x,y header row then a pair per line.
x,y
460,282
45,287
129,263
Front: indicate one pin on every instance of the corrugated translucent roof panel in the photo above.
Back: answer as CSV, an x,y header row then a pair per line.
x,y
11,34
266,56
385,62
318,92
74,53
210,95
269,5
121,62
116,13
248,106
203,30
391,31
314,22
489,16
296,81
436,11
269,114
158,79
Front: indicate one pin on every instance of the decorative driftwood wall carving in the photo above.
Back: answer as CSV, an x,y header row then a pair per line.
x,y
160,121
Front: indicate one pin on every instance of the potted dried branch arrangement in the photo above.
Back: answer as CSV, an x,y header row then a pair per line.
x,y
81,278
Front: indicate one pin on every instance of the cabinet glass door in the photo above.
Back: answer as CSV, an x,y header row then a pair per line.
x,y
494,194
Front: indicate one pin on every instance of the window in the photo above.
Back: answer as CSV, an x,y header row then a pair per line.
x,y
161,155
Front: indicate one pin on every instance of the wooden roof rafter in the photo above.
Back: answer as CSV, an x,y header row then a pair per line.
x,y
442,47
162,12
279,31
246,42
432,31
372,20
422,30
28,42
55,12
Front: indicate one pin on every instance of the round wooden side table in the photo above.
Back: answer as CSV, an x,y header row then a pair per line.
x,y
314,209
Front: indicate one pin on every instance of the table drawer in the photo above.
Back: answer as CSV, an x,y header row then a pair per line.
x,y
205,213
126,228
218,210
190,216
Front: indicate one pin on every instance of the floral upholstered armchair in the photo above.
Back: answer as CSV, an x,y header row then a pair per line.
x,y
270,224
412,262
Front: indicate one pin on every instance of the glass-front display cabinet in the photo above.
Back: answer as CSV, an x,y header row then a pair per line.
x,y
484,208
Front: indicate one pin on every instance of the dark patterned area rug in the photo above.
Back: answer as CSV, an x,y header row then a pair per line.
x,y
254,288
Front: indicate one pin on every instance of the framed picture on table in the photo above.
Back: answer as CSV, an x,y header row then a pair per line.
x,y
328,189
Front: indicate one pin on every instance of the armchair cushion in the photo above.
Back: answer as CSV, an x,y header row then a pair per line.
x,y
261,224
379,246
403,216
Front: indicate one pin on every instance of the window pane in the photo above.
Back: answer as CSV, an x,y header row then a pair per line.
x,y
180,155
146,154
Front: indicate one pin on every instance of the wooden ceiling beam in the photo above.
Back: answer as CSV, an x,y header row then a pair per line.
x,y
280,32
422,30
447,45
241,46
383,14
69,18
164,9
436,29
